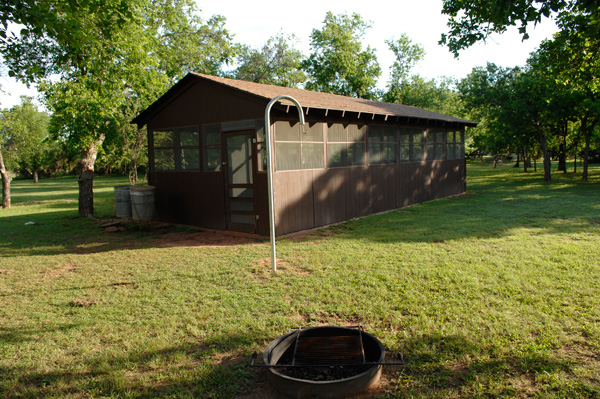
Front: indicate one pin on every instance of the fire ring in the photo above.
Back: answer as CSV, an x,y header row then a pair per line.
x,y
324,362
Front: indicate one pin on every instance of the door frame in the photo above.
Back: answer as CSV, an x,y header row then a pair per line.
x,y
241,227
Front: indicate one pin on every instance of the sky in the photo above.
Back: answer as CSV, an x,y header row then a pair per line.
x,y
254,22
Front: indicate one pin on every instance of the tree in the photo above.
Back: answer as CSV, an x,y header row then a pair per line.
x,y
405,88
277,63
471,21
23,130
338,64
407,56
60,29
29,131
490,95
4,174
128,65
573,62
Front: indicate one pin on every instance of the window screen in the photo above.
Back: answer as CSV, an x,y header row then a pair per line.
x,y
382,144
176,148
295,150
211,143
436,144
346,145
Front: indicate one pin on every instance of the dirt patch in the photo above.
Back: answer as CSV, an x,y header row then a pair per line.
x,y
202,239
56,273
83,302
263,265
314,236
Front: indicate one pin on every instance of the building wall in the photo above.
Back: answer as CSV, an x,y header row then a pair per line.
x,y
304,198
193,198
313,198
198,197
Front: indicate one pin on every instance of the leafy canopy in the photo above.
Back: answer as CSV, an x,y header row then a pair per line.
x,y
471,21
338,64
276,63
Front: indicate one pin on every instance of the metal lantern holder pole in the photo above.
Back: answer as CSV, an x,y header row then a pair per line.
x,y
270,170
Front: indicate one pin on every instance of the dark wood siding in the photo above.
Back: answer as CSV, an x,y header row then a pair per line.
x,y
205,102
194,198
344,193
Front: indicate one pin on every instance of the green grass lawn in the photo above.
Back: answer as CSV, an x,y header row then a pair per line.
x,y
492,294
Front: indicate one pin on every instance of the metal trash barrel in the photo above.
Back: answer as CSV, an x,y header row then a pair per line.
x,y
123,201
142,202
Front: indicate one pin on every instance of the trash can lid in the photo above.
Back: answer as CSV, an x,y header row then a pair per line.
x,y
142,188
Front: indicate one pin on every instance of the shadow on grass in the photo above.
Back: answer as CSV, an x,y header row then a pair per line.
x,y
62,231
219,368
216,368
440,367
490,209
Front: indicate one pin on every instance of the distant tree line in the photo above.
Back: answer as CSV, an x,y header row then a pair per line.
x,y
551,106
97,64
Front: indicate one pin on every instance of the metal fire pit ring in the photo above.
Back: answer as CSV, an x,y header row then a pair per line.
x,y
373,354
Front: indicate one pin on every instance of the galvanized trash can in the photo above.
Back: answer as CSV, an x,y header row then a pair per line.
x,y
123,201
142,202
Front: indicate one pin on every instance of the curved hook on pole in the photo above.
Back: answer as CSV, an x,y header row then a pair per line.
x,y
270,170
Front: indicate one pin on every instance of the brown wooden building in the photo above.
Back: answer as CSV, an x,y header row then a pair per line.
x,y
206,144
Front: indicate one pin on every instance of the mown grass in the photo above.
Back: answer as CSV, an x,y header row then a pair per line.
x,y
492,294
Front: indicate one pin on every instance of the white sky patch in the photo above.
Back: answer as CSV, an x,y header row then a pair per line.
x,y
254,22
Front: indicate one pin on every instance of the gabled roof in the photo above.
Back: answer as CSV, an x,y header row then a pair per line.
x,y
311,100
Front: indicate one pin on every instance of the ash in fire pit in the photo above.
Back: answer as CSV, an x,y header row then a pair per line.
x,y
324,362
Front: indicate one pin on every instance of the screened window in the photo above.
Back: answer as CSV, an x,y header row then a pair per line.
x,y
177,149
436,144
346,145
295,150
382,145
211,145
456,145
417,145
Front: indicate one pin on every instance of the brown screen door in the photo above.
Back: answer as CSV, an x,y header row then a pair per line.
x,y
239,181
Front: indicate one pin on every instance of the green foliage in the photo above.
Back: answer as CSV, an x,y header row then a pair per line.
x,y
23,136
512,103
474,20
404,88
57,32
277,63
117,58
407,56
338,64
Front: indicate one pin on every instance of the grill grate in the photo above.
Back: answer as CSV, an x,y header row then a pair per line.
x,y
311,350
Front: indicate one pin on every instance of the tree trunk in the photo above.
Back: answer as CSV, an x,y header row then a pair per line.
x,y
546,154
86,178
517,164
575,163
586,150
133,175
5,184
35,176
562,151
